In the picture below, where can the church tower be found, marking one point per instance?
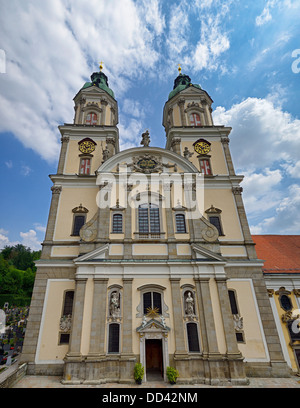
(148, 255)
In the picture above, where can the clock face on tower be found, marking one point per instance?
(202, 147)
(86, 146)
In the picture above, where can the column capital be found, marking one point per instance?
(56, 189)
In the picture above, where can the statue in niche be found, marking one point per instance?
(105, 154)
(187, 154)
(238, 322)
(114, 305)
(189, 305)
(145, 139)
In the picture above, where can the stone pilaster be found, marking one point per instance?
(127, 225)
(46, 251)
(175, 145)
(63, 153)
(74, 371)
(98, 325)
(127, 358)
(104, 104)
(234, 357)
(182, 113)
(180, 346)
(249, 244)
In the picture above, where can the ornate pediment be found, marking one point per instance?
(153, 325)
(147, 163)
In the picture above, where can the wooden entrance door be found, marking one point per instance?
(154, 357)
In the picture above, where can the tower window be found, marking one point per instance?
(193, 339)
(180, 223)
(195, 119)
(114, 338)
(79, 221)
(205, 166)
(233, 303)
(85, 166)
(68, 303)
(215, 220)
(152, 300)
(149, 219)
(117, 226)
(91, 119)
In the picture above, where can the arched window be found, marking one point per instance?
(193, 338)
(114, 338)
(117, 224)
(68, 303)
(91, 118)
(195, 119)
(180, 223)
(152, 300)
(233, 302)
(149, 221)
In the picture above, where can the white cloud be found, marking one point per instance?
(265, 148)
(264, 17)
(286, 219)
(9, 164)
(25, 170)
(48, 63)
(262, 134)
(29, 239)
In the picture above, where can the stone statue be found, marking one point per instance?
(189, 305)
(187, 154)
(105, 154)
(238, 322)
(114, 305)
(145, 139)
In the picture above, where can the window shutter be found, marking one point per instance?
(78, 223)
(68, 304)
(154, 219)
(147, 301)
(117, 223)
(157, 301)
(233, 304)
(193, 339)
(114, 338)
(180, 223)
(216, 222)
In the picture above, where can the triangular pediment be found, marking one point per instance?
(95, 255)
(152, 325)
(206, 255)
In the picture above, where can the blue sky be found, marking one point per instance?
(245, 54)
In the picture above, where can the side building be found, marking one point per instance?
(148, 254)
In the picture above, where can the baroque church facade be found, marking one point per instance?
(148, 255)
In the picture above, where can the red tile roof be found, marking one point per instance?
(281, 253)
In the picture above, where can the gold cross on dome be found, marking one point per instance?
(101, 65)
(179, 68)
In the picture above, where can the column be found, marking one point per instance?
(46, 252)
(208, 329)
(127, 359)
(77, 320)
(182, 114)
(127, 224)
(104, 103)
(231, 343)
(63, 152)
(98, 326)
(127, 316)
(225, 143)
(237, 192)
(180, 347)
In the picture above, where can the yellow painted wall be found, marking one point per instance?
(70, 198)
(49, 349)
(254, 346)
(280, 312)
(224, 200)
